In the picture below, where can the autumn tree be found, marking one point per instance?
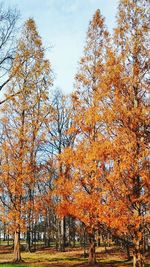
(81, 182)
(127, 76)
(23, 118)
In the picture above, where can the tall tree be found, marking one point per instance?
(129, 120)
(24, 116)
(81, 183)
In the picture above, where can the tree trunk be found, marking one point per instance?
(84, 243)
(98, 238)
(138, 260)
(28, 240)
(128, 251)
(92, 254)
(4, 232)
(62, 235)
(8, 239)
(17, 252)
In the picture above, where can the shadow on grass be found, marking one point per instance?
(115, 262)
(70, 262)
(67, 259)
(14, 265)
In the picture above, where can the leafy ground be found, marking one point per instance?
(73, 258)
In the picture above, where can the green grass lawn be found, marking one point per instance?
(109, 263)
(15, 265)
(73, 258)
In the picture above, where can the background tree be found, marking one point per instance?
(58, 138)
(8, 24)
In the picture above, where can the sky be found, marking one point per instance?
(63, 24)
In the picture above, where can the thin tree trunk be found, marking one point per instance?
(128, 251)
(98, 238)
(92, 254)
(138, 260)
(8, 239)
(28, 240)
(84, 242)
(4, 232)
(62, 235)
(17, 252)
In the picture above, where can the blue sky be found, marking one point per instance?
(62, 25)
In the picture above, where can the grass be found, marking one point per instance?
(14, 265)
(73, 258)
